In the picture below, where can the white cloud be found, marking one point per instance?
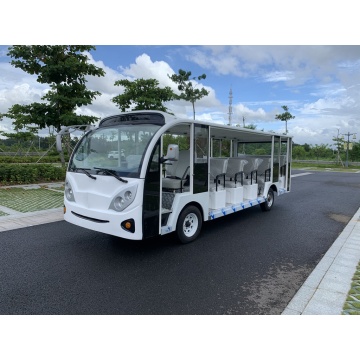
(327, 75)
(17, 87)
(145, 68)
(304, 62)
(222, 65)
(278, 76)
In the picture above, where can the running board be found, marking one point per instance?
(166, 229)
(231, 208)
(216, 213)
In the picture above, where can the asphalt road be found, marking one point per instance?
(246, 263)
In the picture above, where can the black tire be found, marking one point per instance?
(269, 202)
(189, 224)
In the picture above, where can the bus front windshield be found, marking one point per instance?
(118, 149)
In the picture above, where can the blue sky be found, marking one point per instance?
(320, 84)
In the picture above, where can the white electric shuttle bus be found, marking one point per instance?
(146, 173)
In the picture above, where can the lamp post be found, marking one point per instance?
(347, 147)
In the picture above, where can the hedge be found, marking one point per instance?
(14, 174)
(31, 159)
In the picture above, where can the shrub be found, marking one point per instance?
(13, 174)
(31, 159)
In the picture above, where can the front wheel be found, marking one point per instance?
(269, 202)
(189, 224)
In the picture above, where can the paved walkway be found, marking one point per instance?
(15, 219)
(323, 293)
(326, 289)
(20, 220)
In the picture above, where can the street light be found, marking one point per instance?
(347, 147)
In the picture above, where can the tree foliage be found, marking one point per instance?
(143, 94)
(64, 68)
(188, 91)
(298, 152)
(320, 151)
(285, 116)
(354, 154)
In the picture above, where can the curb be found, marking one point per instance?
(326, 289)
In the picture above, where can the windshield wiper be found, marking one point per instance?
(85, 171)
(111, 172)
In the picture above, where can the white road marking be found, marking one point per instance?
(301, 174)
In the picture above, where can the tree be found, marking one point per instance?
(250, 126)
(298, 152)
(286, 116)
(338, 142)
(321, 150)
(355, 152)
(143, 94)
(64, 68)
(20, 139)
(185, 86)
(307, 147)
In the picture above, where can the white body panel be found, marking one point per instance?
(250, 191)
(93, 199)
(235, 195)
(180, 202)
(217, 199)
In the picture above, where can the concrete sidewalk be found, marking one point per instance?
(326, 289)
(20, 207)
(18, 221)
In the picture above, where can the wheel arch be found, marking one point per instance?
(196, 204)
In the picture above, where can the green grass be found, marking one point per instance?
(24, 201)
(323, 167)
(352, 302)
(2, 213)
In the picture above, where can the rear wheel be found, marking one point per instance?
(269, 202)
(189, 224)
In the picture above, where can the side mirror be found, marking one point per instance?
(164, 159)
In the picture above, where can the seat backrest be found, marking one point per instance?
(218, 166)
(171, 165)
(234, 166)
(178, 168)
(265, 165)
(252, 165)
(183, 163)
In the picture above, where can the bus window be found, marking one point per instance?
(220, 147)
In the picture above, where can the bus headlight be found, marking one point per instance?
(123, 199)
(119, 203)
(69, 194)
(128, 195)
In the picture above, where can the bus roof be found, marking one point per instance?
(216, 130)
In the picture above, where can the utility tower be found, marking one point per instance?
(230, 106)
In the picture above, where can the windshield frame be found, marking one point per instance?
(139, 136)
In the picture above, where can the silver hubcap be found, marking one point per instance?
(269, 200)
(190, 224)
